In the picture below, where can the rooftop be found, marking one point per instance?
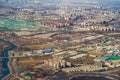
(113, 57)
(83, 51)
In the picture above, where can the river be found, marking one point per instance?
(4, 62)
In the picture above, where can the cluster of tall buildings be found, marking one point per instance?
(57, 63)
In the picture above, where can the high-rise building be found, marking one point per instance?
(35, 1)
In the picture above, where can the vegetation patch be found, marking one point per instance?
(12, 24)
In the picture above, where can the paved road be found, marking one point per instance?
(110, 76)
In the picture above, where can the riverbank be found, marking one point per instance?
(10, 67)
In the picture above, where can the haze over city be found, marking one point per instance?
(59, 40)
